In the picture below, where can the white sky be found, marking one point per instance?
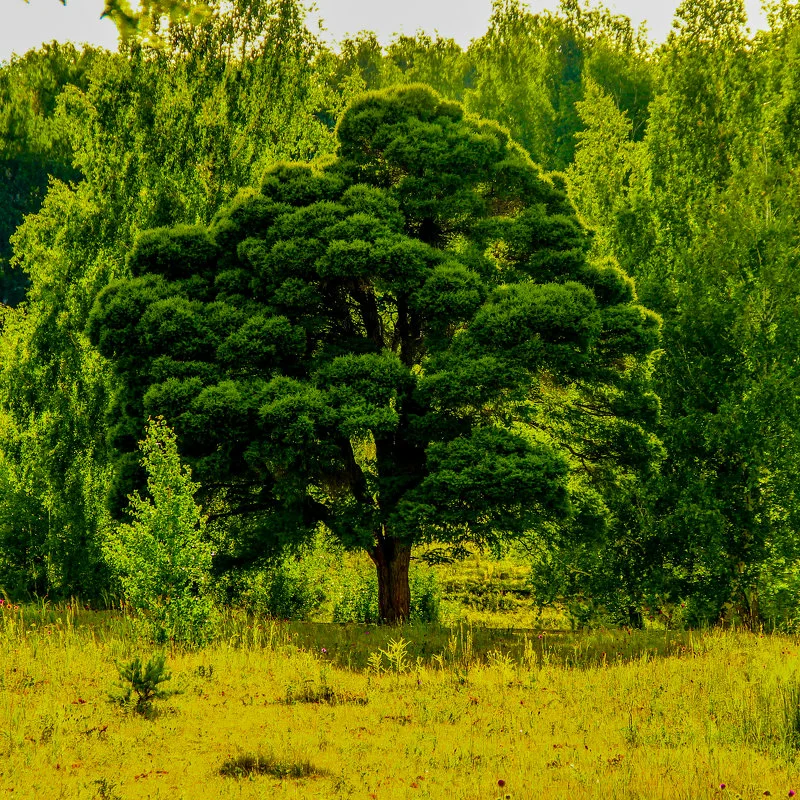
(26, 25)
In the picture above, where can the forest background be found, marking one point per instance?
(681, 159)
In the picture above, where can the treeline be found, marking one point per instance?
(681, 159)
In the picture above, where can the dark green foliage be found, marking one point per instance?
(248, 764)
(34, 143)
(141, 684)
(289, 598)
(288, 588)
(401, 344)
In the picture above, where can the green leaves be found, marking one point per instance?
(450, 294)
(530, 69)
(132, 23)
(396, 343)
(485, 486)
(172, 252)
(697, 210)
(422, 147)
(363, 391)
(262, 344)
(548, 326)
(161, 558)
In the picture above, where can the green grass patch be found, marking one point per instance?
(309, 692)
(248, 764)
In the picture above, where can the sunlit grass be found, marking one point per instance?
(424, 711)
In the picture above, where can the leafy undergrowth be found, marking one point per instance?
(464, 714)
(493, 592)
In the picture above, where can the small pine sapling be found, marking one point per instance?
(140, 684)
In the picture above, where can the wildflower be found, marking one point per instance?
(722, 786)
(792, 792)
(324, 650)
(541, 636)
(501, 782)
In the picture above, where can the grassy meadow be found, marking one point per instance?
(551, 299)
(301, 710)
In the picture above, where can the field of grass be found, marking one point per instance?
(339, 711)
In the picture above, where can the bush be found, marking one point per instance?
(162, 558)
(287, 589)
(779, 595)
(426, 595)
(248, 764)
(356, 595)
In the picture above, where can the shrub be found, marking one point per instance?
(356, 596)
(143, 681)
(248, 764)
(162, 557)
(286, 589)
(426, 595)
(779, 595)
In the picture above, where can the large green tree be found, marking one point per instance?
(703, 212)
(406, 344)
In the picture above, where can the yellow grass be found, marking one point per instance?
(722, 708)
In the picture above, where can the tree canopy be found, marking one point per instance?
(140, 17)
(406, 343)
(681, 161)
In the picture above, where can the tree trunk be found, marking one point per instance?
(392, 559)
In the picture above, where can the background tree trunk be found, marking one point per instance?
(392, 559)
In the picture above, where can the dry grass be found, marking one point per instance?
(721, 708)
